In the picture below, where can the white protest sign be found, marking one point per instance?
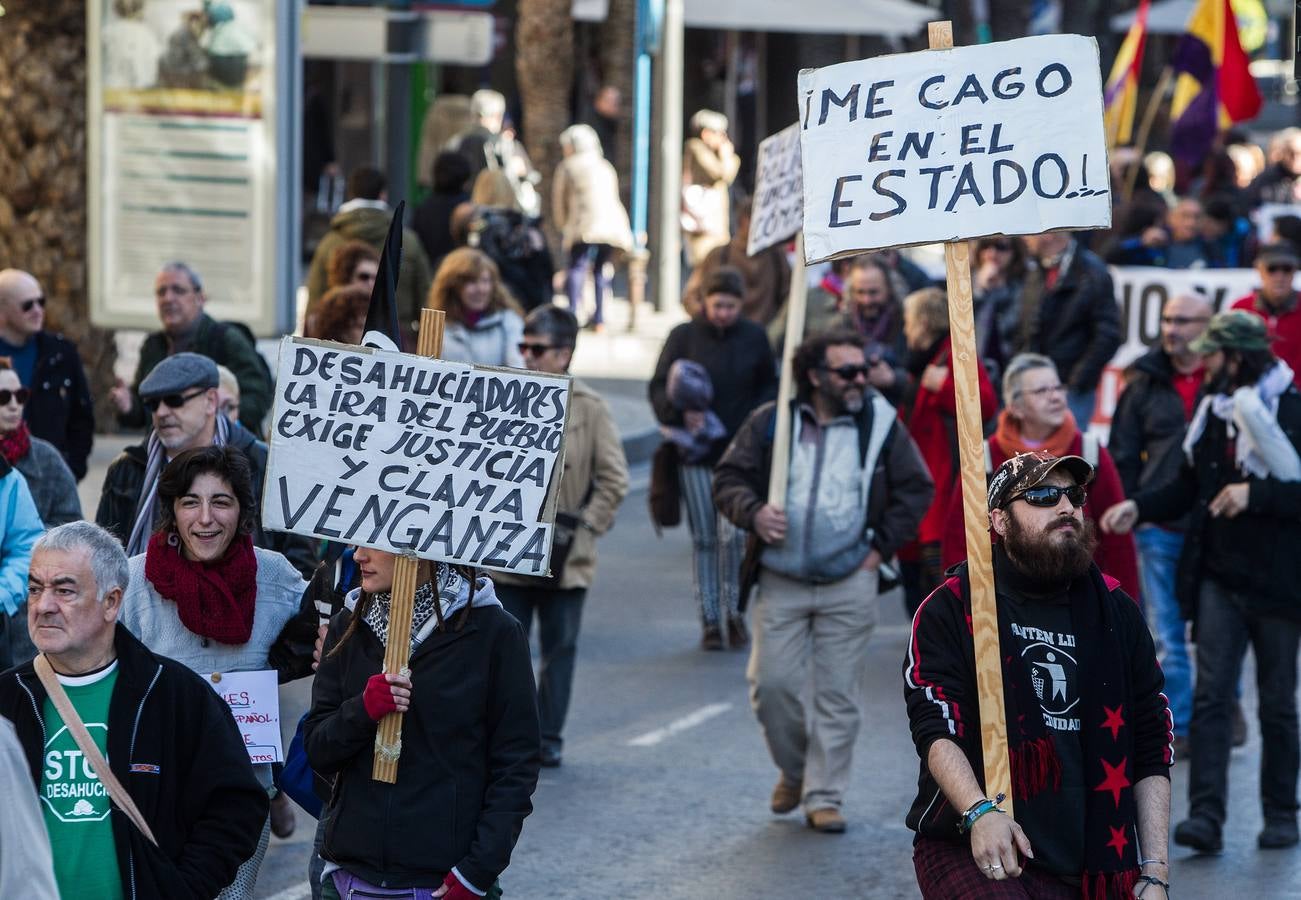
(1268, 214)
(439, 459)
(778, 210)
(942, 145)
(254, 701)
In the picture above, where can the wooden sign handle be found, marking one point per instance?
(397, 650)
(796, 303)
(975, 499)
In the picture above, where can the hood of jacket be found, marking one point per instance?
(364, 223)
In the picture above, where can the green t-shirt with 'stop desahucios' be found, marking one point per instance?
(75, 804)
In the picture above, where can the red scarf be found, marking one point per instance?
(1011, 441)
(15, 445)
(214, 600)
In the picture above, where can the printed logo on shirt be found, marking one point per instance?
(69, 786)
(1053, 673)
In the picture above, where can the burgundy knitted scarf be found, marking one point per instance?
(214, 600)
(15, 445)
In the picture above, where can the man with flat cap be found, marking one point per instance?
(1088, 728)
(1240, 485)
(180, 394)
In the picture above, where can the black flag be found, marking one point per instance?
(382, 330)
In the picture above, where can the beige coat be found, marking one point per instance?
(585, 202)
(593, 456)
(702, 166)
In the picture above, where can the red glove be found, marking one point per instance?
(378, 697)
(456, 890)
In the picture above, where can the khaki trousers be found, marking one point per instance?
(811, 638)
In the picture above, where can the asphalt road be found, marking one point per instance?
(664, 790)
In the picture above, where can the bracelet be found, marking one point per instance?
(978, 809)
(1152, 862)
(1152, 879)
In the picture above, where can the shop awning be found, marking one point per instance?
(889, 18)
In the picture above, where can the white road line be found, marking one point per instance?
(297, 892)
(691, 720)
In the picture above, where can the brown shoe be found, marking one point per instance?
(827, 821)
(282, 816)
(737, 635)
(786, 795)
(711, 638)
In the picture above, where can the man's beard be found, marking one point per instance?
(1045, 557)
(841, 401)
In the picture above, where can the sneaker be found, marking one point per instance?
(1239, 726)
(1277, 835)
(827, 821)
(712, 638)
(786, 795)
(737, 635)
(283, 819)
(1200, 833)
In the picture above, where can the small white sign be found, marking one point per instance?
(778, 211)
(1268, 214)
(943, 145)
(254, 701)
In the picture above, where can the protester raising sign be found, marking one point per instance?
(1002, 138)
(442, 460)
(778, 211)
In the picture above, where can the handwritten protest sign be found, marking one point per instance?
(1003, 138)
(406, 454)
(254, 701)
(778, 210)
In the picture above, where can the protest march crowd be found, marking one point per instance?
(1144, 497)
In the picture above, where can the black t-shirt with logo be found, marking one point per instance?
(1043, 638)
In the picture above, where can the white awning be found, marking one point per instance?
(889, 18)
(1163, 17)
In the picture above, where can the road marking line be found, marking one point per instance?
(297, 892)
(691, 720)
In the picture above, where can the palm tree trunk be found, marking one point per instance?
(544, 68)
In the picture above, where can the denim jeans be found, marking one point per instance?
(1081, 404)
(560, 614)
(581, 258)
(1158, 553)
(1225, 626)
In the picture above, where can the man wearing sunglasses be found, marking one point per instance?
(180, 396)
(1276, 301)
(60, 409)
(858, 488)
(1088, 729)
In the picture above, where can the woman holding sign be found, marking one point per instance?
(203, 595)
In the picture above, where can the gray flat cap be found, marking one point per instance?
(179, 373)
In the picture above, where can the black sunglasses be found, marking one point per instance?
(847, 372)
(173, 401)
(526, 348)
(1272, 268)
(22, 395)
(35, 301)
(1050, 495)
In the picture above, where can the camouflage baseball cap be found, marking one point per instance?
(1236, 329)
(1026, 470)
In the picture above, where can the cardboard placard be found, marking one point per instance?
(944, 145)
(778, 210)
(436, 459)
(254, 701)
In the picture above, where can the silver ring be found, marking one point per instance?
(995, 866)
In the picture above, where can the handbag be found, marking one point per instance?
(121, 799)
(298, 779)
(563, 533)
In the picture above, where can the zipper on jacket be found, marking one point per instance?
(131, 755)
(36, 710)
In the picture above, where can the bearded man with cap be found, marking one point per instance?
(180, 394)
(1088, 727)
(1240, 484)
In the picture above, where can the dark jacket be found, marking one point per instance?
(60, 409)
(1148, 426)
(1076, 324)
(469, 764)
(740, 366)
(175, 748)
(1254, 553)
(432, 223)
(1274, 185)
(900, 493)
(124, 481)
(224, 344)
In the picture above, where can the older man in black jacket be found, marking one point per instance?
(172, 742)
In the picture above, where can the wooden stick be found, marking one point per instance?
(397, 651)
(1145, 129)
(980, 568)
(781, 443)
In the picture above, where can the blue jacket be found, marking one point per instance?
(21, 527)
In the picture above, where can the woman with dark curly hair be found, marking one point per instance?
(355, 262)
(484, 323)
(340, 316)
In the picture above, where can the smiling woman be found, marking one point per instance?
(202, 594)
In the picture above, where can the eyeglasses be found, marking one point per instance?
(172, 401)
(27, 305)
(527, 348)
(22, 395)
(847, 372)
(1053, 389)
(1048, 496)
(1280, 268)
(1181, 321)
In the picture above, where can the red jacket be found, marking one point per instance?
(1286, 328)
(1115, 555)
(932, 426)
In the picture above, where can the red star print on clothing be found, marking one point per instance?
(1114, 721)
(1115, 780)
(1118, 840)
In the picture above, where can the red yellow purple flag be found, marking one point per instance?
(1120, 95)
(1215, 87)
